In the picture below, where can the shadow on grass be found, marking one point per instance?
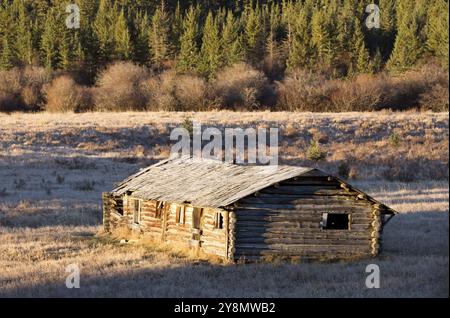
(414, 263)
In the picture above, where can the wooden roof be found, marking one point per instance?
(211, 183)
(203, 182)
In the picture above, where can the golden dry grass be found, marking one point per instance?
(48, 221)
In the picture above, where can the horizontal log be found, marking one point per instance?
(214, 233)
(308, 241)
(309, 200)
(310, 235)
(306, 212)
(290, 224)
(308, 191)
(319, 208)
(293, 221)
(255, 249)
(311, 181)
(300, 231)
(214, 247)
(311, 186)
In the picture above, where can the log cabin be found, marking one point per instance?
(248, 213)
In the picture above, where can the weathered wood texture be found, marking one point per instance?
(284, 220)
(112, 211)
(281, 219)
(167, 226)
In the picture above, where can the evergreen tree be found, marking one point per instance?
(437, 30)
(300, 48)
(188, 57)
(272, 45)
(288, 17)
(104, 30)
(269, 34)
(322, 39)
(211, 50)
(254, 42)
(176, 29)
(407, 48)
(49, 41)
(78, 56)
(23, 40)
(377, 63)
(64, 52)
(141, 42)
(6, 58)
(346, 27)
(159, 36)
(361, 57)
(232, 49)
(87, 57)
(122, 42)
(388, 26)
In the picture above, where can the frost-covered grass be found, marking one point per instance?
(53, 169)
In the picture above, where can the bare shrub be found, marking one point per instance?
(10, 90)
(119, 87)
(362, 93)
(21, 89)
(64, 95)
(31, 95)
(303, 90)
(414, 88)
(436, 98)
(190, 93)
(160, 91)
(170, 91)
(240, 86)
(425, 87)
(34, 78)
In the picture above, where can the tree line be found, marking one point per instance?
(202, 37)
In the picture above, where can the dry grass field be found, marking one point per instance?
(53, 168)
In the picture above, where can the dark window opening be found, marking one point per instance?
(196, 217)
(159, 209)
(180, 214)
(136, 210)
(119, 205)
(335, 221)
(218, 221)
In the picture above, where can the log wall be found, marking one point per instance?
(166, 227)
(285, 221)
(113, 209)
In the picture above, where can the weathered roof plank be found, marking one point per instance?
(210, 183)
